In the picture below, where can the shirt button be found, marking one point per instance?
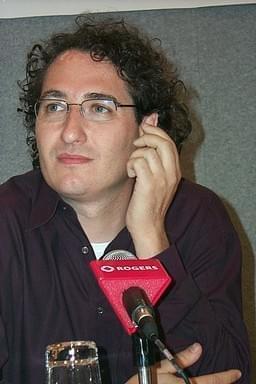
(100, 310)
(85, 250)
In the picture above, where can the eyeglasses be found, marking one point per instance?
(53, 110)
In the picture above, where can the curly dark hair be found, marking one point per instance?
(151, 80)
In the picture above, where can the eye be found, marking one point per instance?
(53, 106)
(101, 108)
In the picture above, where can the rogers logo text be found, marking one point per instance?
(108, 268)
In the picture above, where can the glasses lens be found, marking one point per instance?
(99, 110)
(51, 110)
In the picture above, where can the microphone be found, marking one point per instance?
(140, 311)
(115, 276)
(132, 287)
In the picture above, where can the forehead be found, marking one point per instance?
(76, 73)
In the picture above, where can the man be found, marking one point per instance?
(104, 127)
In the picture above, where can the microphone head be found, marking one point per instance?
(119, 254)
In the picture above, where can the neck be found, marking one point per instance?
(103, 219)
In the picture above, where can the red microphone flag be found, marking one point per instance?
(115, 276)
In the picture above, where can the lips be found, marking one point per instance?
(71, 159)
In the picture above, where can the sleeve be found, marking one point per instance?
(4, 272)
(10, 295)
(204, 303)
(3, 351)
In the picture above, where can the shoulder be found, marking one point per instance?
(16, 194)
(196, 196)
(199, 207)
(195, 191)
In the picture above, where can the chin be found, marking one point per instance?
(69, 186)
(72, 189)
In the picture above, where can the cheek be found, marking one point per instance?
(117, 139)
(124, 147)
(127, 136)
(40, 135)
(39, 141)
(44, 137)
(44, 142)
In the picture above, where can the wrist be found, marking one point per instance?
(150, 243)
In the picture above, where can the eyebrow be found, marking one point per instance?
(90, 95)
(53, 93)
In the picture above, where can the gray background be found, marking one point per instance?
(214, 49)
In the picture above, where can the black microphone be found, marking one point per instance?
(140, 310)
(115, 279)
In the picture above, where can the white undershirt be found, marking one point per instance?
(99, 249)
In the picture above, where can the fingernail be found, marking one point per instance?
(194, 347)
(239, 374)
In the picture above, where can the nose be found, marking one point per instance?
(74, 127)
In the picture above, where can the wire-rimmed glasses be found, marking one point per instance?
(56, 110)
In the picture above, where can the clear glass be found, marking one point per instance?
(72, 362)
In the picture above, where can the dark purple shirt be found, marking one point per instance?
(49, 294)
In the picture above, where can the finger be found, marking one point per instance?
(156, 138)
(166, 151)
(139, 168)
(185, 358)
(151, 119)
(189, 355)
(167, 378)
(152, 136)
(152, 157)
(226, 377)
(153, 129)
(133, 380)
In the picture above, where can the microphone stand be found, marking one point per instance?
(143, 357)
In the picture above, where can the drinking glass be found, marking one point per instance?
(72, 362)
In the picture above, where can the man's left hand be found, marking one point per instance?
(155, 165)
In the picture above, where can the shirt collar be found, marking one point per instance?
(44, 202)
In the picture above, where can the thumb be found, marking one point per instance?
(184, 358)
(189, 355)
